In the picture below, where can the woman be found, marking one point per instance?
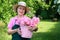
(17, 27)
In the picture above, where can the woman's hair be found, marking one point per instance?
(17, 12)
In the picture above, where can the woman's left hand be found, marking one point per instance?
(30, 28)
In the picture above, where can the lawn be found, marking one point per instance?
(47, 30)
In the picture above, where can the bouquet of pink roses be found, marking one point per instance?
(34, 21)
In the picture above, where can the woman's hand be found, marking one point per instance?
(10, 31)
(19, 31)
(30, 28)
(35, 28)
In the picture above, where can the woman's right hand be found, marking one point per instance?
(10, 31)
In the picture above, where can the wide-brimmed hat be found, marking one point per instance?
(20, 4)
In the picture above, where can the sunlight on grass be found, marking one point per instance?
(46, 26)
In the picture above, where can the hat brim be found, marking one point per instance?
(15, 8)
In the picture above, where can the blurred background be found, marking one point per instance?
(49, 14)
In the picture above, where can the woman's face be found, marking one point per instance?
(21, 10)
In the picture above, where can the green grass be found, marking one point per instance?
(47, 31)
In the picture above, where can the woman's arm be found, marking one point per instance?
(10, 25)
(35, 28)
(10, 31)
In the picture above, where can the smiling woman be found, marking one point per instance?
(17, 25)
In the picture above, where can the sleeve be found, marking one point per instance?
(11, 23)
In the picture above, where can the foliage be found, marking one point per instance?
(36, 6)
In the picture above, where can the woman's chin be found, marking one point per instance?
(21, 14)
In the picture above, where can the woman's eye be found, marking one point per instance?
(22, 8)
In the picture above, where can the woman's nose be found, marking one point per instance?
(21, 10)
